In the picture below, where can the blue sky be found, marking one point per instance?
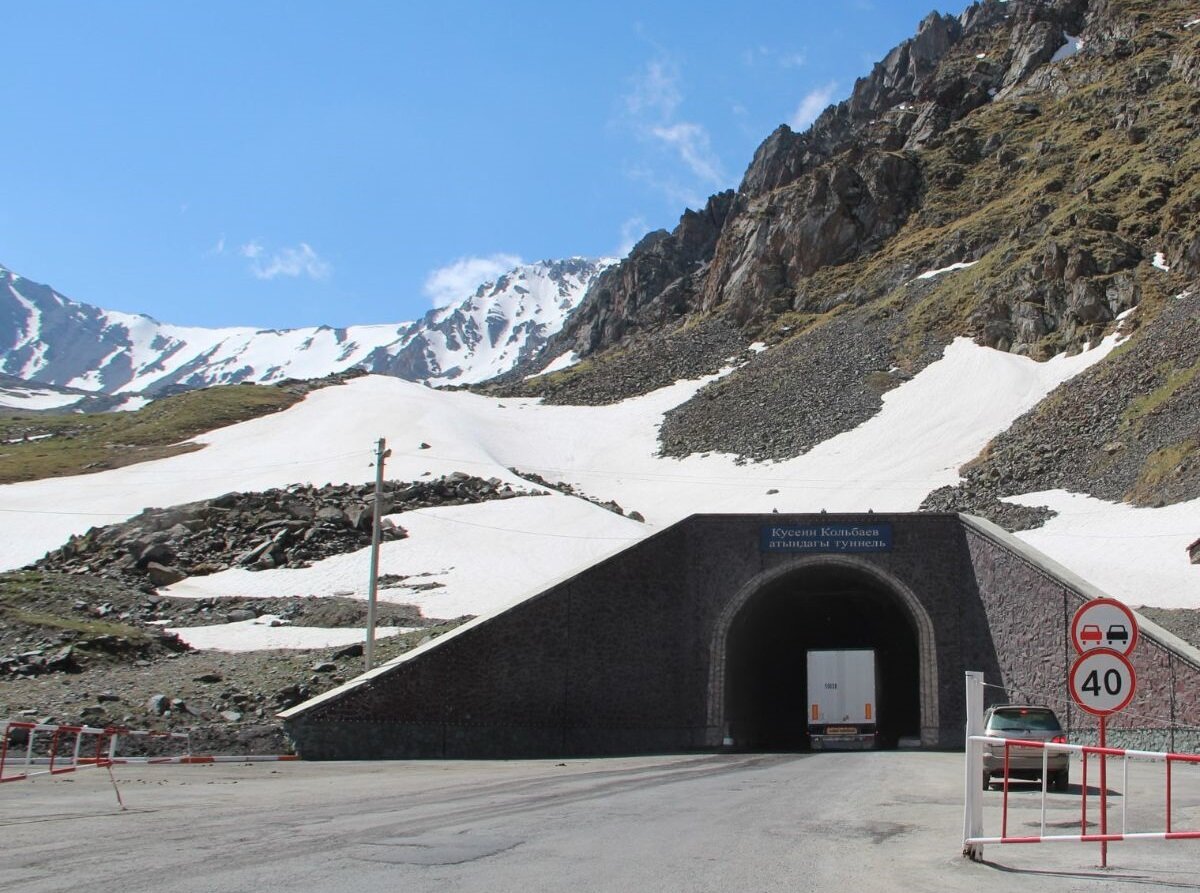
(282, 164)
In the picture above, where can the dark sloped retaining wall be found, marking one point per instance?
(1030, 601)
(625, 657)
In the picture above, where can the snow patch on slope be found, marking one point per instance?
(33, 398)
(961, 265)
(563, 361)
(1138, 555)
(491, 555)
(1072, 46)
(270, 632)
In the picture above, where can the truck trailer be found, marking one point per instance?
(841, 697)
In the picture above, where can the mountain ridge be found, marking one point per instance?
(49, 339)
(1022, 174)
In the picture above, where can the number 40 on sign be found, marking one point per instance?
(1102, 681)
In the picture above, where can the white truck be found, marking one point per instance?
(841, 697)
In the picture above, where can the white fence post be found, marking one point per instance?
(973, 771)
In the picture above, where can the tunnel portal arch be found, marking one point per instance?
(818, 601)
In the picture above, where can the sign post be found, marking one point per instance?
(1102, 680)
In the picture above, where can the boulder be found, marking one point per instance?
(161, 575)
(62, 660)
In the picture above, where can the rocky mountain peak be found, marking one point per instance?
(654, 286)
(49, 339)
(966, 101)
(1021, 174)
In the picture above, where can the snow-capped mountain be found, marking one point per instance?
(50, 339)
(504, 322)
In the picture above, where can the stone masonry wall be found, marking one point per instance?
(618, 658)
(1029, 612)
(626, 656)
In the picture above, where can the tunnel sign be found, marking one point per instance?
(1102, 681)
(1104, 623)
(826, 537)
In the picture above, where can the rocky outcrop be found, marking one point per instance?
(827, 217)
(835, 194)
(1073, 290)
(652, 288)
(292, 527)
(789, 399)
(1128, 429)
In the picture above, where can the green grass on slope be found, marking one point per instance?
(79, 444)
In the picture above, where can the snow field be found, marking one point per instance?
(22, 398)
(270, 632)
(490, 555)
(1135, 554)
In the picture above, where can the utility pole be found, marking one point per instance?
(381, 453)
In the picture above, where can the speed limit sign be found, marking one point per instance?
(1102, 681)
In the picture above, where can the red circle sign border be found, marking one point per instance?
(1107, 652)
(1121, 606)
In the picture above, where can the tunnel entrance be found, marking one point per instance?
(766, 689)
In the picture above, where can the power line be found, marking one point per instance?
(133, 469)
(73, 514)
(1059, 701)
(564, 536)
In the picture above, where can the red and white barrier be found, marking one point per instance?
(70, 748)
(973, 837)
(1085, 751)
(66, 747)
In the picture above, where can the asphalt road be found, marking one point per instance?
(794, 822)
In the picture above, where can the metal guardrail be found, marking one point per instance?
(1168, 833)
(65, 748)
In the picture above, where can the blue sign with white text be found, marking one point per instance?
(827, 538)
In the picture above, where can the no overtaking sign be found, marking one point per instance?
(1104, 623)
(1102, 680)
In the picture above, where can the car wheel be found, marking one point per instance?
(1060, 780)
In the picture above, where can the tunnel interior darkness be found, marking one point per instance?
(817, 608)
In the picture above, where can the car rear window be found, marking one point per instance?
(1021, 719)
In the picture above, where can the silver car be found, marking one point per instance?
(1026, 723)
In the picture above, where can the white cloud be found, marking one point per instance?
(458, 280)
(290, 262)
(813, 103)
(655, 91)
(783, 58)
(667, 183)
(652, 108)
(691, 142)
